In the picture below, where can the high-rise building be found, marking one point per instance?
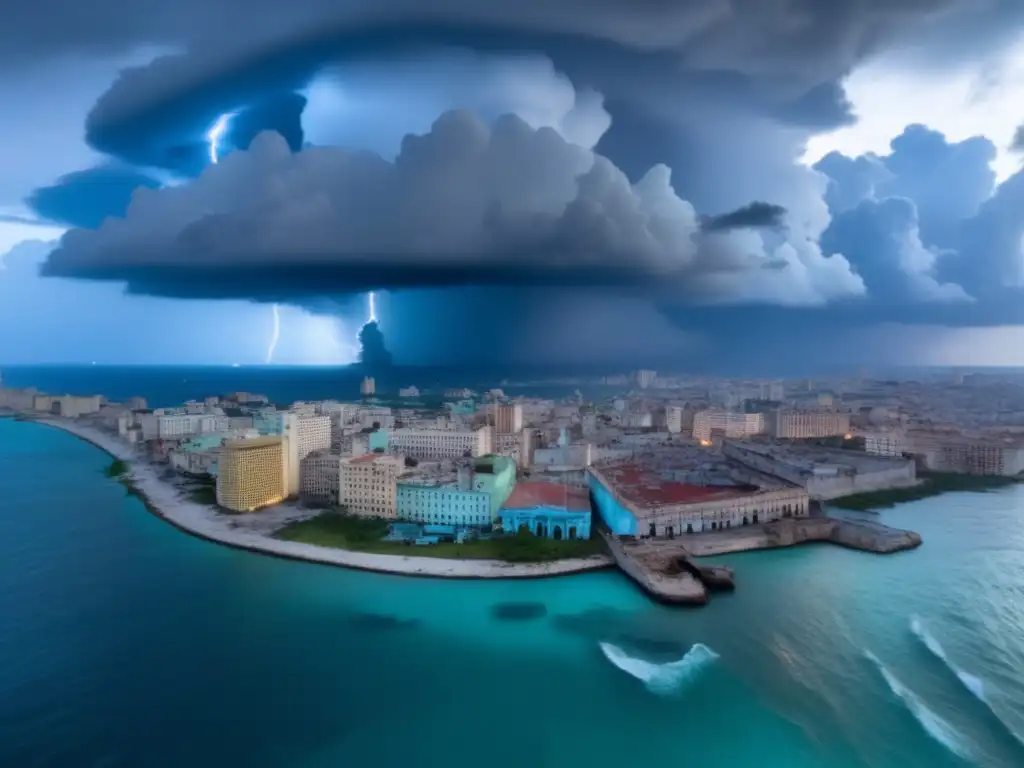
(306, 435)
(369, 387)
(367, 485)
(645, 379)
(320, 477)
(508, 418)
(252, 474)
(674, 419)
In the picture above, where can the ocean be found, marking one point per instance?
(125, 642)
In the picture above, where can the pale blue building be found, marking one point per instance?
(547, 510)
(442, 505)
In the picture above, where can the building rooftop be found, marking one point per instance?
(648, 487)
(529, 495)
(256, 442)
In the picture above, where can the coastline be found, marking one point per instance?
(205, 522)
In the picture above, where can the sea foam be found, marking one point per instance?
(937, 728)
(664, 678)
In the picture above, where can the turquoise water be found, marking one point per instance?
(124, 642)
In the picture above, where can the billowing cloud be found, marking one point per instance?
(86, 198)
(1017, 145)
(465, 204)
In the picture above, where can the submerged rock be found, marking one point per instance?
(519, 611)
(380, 621)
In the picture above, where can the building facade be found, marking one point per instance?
(892, 443)
(793, 424)
(436, 444)
(547, 510)
(305, 435)
(367, 485)
(443, 505)
(508, 418)
(730, 423)
(706, 509)
(320, 478)
(252, 474)
(368, 388)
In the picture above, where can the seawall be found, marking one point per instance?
(864, 536)
(206, 522)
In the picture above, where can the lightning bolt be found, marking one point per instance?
(216, 133)
(373, 310)
(275, 335)
(213, 136)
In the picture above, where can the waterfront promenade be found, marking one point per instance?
(253, 531)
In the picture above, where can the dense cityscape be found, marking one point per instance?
(710, 466)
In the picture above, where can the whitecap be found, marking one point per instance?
(937, 728)
(971, 682)
(663, 678)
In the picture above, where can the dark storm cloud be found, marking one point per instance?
(1017, 145)
(86, 198)
(465, 204)
(781, 60)
(281, 113)
(757, 215)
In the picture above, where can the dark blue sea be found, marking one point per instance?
(125, 642)
(172, 385)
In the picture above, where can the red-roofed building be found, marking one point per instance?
(548, 510)
(640, 500)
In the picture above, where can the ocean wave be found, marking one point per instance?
(661, 678)
(971, 682)
(937, 728)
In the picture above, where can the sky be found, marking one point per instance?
(734, 185)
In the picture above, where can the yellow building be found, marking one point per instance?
(252, 474)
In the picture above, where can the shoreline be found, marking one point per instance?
(205, 522)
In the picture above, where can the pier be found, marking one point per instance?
(666, 571)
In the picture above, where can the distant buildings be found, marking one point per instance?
(408, 392)
(368, 388)
(645, 379)
(252, 474)
(793, 424)
(729, 423)
(440, 443)
(508, 418)
(972, 456)
(891, 443)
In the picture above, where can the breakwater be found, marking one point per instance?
(863, 535)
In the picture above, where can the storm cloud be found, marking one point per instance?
(466, 204)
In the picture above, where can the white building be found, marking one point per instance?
(434, 444)
(730, 423)
(793, 424)
(367, 485)
(368, 387)
(409, 392)
(645, 379)
(674, 419)
(175, 426)
(889, 443)
(306, 434)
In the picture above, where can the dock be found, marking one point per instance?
(667, 574)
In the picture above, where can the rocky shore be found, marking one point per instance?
(254, 532)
